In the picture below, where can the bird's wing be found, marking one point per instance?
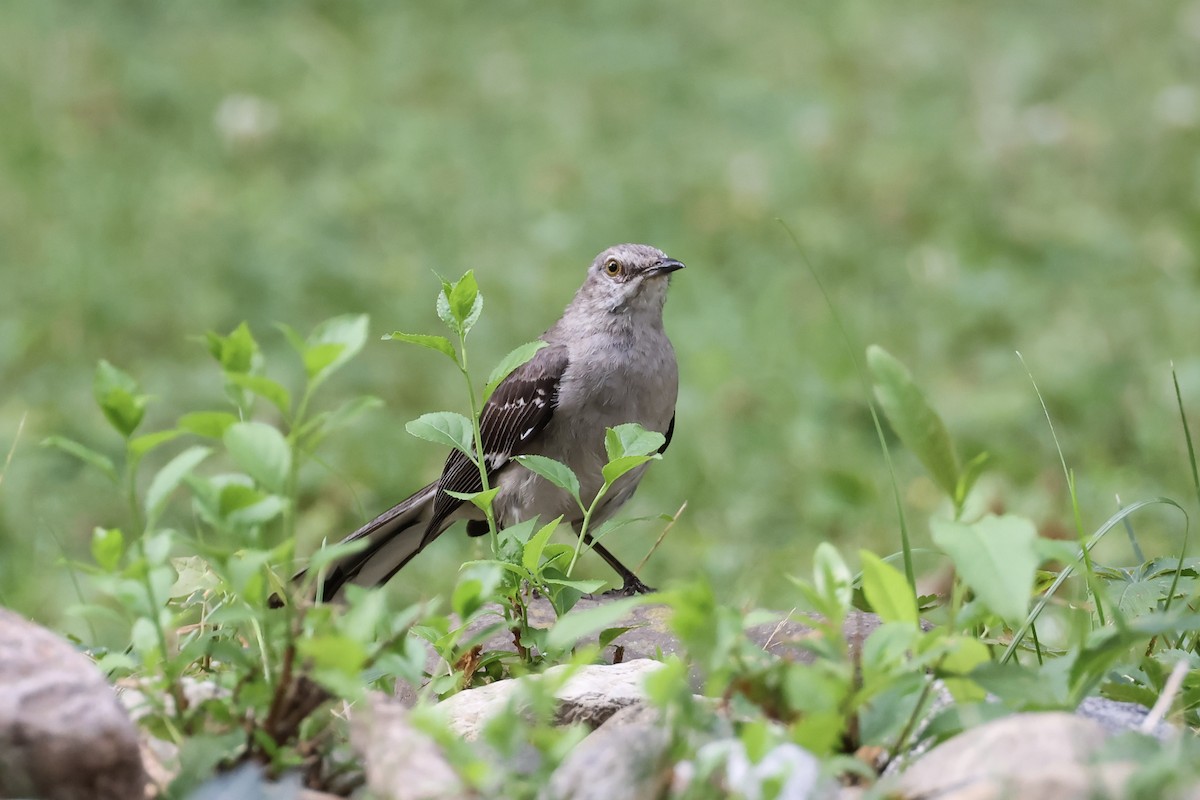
(513, 417)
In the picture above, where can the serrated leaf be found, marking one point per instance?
(108, 544)
(886, 589)
(439, 343)
(510, 362)
(619, 466)
(118, 396)
(447, 428)
(84, 453)
(532, 555)
(262, 451)
(995, 556)
(210, 424)
(481, 500)
(631, 439)
(167, 479)
(270, 390)
(913, 418)
(465, 301)
(554, 471)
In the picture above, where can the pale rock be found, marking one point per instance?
(591, 695)
(63, 735)
(401, 761)
(627, 757)
(1031, 756)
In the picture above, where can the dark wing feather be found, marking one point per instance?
(516, 413)
(667, 437)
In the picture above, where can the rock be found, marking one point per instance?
(591, 695)
(786, 772)
(63, 735)
(627, 757)
(1031, 756)
(1117, 717)
(401, 762)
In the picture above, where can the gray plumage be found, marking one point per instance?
(607, 362)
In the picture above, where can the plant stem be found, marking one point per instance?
(583, 528)
(480, 456)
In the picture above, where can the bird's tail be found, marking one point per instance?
(394, 537)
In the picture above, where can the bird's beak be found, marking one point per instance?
(666, 267)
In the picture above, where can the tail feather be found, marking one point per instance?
(395, 536)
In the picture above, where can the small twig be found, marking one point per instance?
(778, 628)
(661, 536)
(1163, 704)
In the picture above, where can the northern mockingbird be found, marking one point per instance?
(606, 362)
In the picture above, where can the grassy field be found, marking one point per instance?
(969, 180)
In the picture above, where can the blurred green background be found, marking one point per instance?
(968, 179)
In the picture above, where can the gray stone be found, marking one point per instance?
(627, 757)
(1035, 755)
(63, 735)
(591, 695)
(401, 761)
(1117, 717)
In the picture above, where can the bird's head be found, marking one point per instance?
(630, 278)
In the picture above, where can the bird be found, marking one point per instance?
(607, 361)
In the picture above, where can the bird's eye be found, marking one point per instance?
(612, 267)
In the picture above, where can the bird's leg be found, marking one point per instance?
(630, 584)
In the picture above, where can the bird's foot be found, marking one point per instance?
(631, 587)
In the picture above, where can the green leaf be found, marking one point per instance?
(210, 424)
(532, 555)
(996, 557)
(481, 500)
(108, 544)
(554, 471)
(270, 390)
(237, 352)
(85, 454)
(331, 344)
(619, 466)
(467, 598)
(965, 654)
(262, 451)
(886, 589)
(438, 343)
(313, 432)
(578, 624)
(913, 419)
(141, 445)
(168, 478)
(832, 579)
(118, 396)
(967, 478)
(465, 301)
(445, 427)
(510, 362)
(631, 439)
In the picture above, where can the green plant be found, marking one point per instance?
(227, 679)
